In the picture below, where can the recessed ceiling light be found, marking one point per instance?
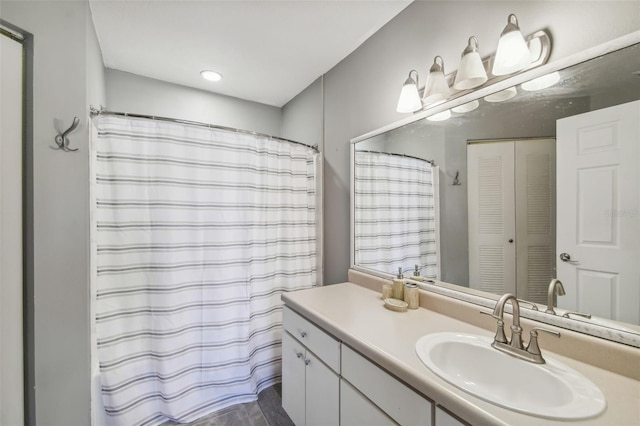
(211, 75)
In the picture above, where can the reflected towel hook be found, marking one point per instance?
(456, 181)
(61, 139)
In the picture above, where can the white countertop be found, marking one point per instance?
(356, 316)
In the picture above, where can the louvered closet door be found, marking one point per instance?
(491, 217)
(535, 195)
(512, 216)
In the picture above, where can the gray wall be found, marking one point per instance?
(64, 76)
(302, 116)
(361, 92)
(136, 94)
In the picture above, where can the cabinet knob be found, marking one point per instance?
(299, 354)
(307, 361)
(303, 334)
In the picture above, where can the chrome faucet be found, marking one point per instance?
(555, 287)
(515, 347)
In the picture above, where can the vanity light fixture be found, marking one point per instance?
(512, 54)
(441, 116)
(409, 100)
(436, 90)
(540, 83)
(471, 72)
(211, 75)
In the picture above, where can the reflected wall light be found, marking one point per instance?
(540, 83)
(512, 54)
(471, 72)
(409, 100)
(468, 107)
(501, 96)
(441, 116)
(436, 89)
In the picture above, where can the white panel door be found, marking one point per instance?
(293, 380)
(598, 219)
(322, 393)
(11, 360)
(492, 250)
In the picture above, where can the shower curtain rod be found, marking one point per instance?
(93, 111)
(433, 163)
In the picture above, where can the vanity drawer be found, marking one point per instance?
(401, 403)
(315, 339)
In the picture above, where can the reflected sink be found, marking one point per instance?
(551, 390)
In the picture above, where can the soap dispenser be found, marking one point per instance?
(416, 274)
(398, 286)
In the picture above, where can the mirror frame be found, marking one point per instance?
(478, 297)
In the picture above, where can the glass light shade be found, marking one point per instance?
(502, 96)
(409, 100)
(441, 116)
(512, 54)
(540, 83)
(436, 90)
(469, 106)
(471, 72)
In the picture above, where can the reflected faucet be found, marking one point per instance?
(515, 347)
(555, 287)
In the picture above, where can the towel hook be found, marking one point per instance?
(456, 180)
(61, 139)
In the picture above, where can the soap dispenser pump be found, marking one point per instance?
(416, 274)
(398, 286)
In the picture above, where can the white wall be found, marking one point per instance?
(361, 92)
(63, 76)
(142, 95)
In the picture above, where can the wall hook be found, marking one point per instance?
(61, 139)
(456, 180)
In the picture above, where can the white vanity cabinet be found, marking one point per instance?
(357, 410)
(398, 401)
(325, 382)
(310, 373)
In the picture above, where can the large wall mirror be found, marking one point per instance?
(504, 191)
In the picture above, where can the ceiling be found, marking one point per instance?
(268, 51)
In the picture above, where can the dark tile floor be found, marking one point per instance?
(266, 411)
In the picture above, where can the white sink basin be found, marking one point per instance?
(551, 390)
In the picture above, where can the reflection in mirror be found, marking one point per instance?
(535, 173)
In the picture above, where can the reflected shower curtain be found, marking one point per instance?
(396, 213)
(197, 232)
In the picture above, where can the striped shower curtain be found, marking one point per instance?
(396, 213)
(196, 234)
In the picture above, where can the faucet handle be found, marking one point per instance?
(500, 336)
(533, 348)
(534, 307)
(491, 315)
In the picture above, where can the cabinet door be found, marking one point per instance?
(445, 419)
(322, 393)
(356, 410)
(293, 380)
